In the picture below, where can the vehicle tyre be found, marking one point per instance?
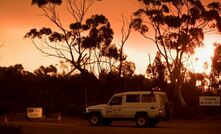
(141, 120)
(152, 123)
(94, 119)
(106, 122)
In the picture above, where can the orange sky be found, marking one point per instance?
(18, 17)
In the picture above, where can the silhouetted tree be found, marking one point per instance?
(137, 82)
(192, 91)
(44, 2)
(83, 44)
(128, 69)
(216, 61)
(125, 34)
(60, 93)
(12, 81)
(112, 54)
(110, 82)
(179, 27)
(50, 70)
(156, 72)
(216, 67)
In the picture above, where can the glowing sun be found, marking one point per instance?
(203, 56)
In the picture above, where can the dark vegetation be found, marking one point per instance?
(99, 68)
(61, 93)
(57, 93)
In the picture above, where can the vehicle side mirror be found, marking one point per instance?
(110, 104)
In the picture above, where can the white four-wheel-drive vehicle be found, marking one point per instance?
(146, 108)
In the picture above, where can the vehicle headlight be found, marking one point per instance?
(87, 109)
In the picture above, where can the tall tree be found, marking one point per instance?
(216, 60)
(156, 72)
(216, 67)
(84, 43)
(125, 34)
(178, 27)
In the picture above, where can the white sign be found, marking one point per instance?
(34, 112)
(209, 101)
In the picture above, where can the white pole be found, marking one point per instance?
(85, 98)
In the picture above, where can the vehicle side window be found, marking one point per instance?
(148, 98)
(133, 98)
(116, 100)
(31, 110)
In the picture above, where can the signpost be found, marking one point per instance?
(209, 101)
(34, 113)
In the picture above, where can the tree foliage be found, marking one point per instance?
(216, 68)
(85, 44)
(128, 68)
(216, 60)
(44, 2)
(157, 73)
(179, 27)
(59, 93)
(51, 70)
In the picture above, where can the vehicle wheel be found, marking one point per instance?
(152, 122)
(141, 120)
(106, 122)
(94, 119)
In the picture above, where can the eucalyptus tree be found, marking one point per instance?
(216, 60)
(177, 27)
(156, 72)
(216, 67)
(84, 44)
(126, 30)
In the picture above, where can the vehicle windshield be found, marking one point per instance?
(117, 100)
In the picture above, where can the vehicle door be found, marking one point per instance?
(114, 110)
(131, 106)
(150, 103)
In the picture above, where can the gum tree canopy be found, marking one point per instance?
(85, 44)
(216, 67)
(177, 27)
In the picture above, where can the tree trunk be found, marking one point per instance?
(178, 97)
(181, 99)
